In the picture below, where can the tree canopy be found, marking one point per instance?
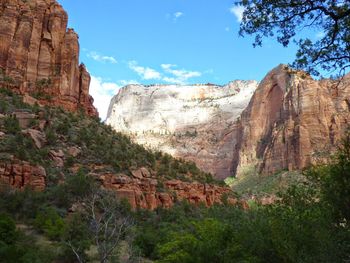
(286, 20)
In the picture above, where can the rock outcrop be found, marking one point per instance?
(197, 123)
(39, 56)
(20, 174)
(292, 121)
(144, 190)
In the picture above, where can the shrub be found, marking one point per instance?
(11, 125)
(50, 223)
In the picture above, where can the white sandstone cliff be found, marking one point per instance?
(195, 122)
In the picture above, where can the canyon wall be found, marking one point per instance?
(197, 122)
(40, 56)
(291, 121)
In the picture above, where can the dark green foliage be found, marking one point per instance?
(334, 182)
(22, 205)
(285, 19)
(11, 125)
(49, 222)
(8, 234)
(15, 247)
(77, 236)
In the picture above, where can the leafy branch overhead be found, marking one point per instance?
(285, 20)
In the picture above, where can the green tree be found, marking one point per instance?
(284, 19)
(334, 182)
(50, 222)
(76, 238)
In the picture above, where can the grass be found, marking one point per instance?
(252, 183)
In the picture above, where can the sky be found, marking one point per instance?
(166, 41)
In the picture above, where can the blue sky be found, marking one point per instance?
(166, 41)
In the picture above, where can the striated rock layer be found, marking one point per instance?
(292, 121)
(19, 174)
(195, 122)
(39, 56)
(144, 190)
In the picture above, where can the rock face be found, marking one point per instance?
(292, 121)
(39, 56)
(196, 122)
(143, 190)
(19, 174)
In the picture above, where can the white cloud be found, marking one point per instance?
(169, 73)
(102, 92)
(128, 82)
(237, 10)
(174, 16)
(177, 15)
(179, 76)
(102, 58)
(144, 72)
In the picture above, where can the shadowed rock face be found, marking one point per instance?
(196, 122)
(39, 55)
(292, 121)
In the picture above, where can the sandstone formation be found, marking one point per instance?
(292, 121)
(40, 56)
(196, 122)
(19, 174)
(144, 190)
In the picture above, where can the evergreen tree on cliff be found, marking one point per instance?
(286, 20)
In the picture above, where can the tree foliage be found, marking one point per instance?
(285, 20)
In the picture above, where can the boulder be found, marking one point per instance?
(57, 157)
(74, 151)
(24, 117)
(38, 137)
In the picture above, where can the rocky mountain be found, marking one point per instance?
(287, 122)
(40, 56)
(43, 147)
(292, 121)
(196, 122)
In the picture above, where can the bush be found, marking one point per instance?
(11, 125)
(50, 223)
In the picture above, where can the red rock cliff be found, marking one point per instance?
(142, 190)
(38, 55)
(292, 121)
